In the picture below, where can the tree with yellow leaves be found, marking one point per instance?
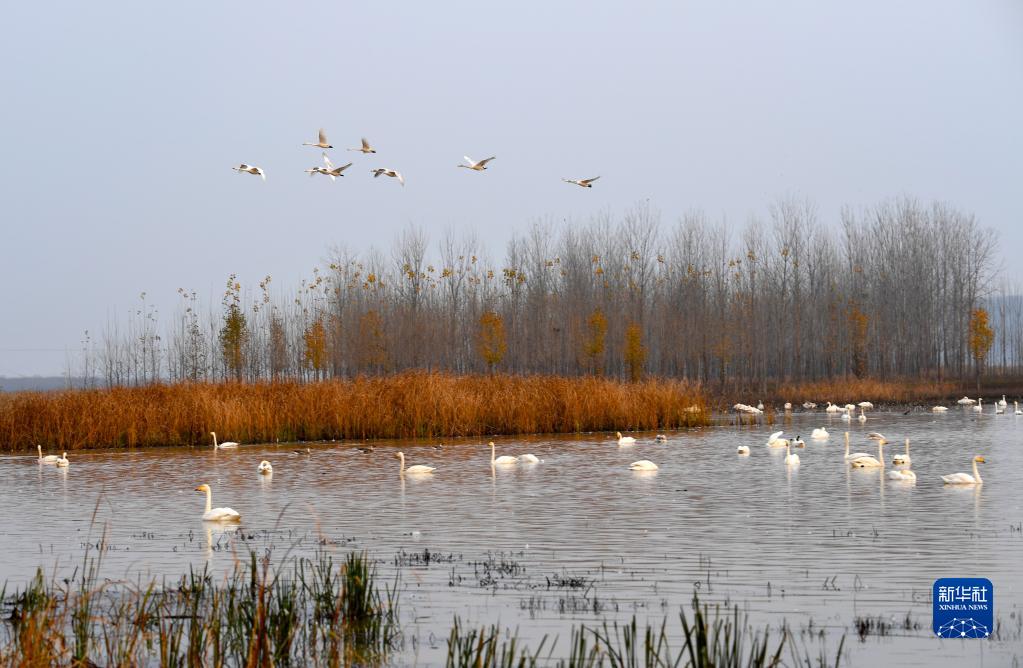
(635, 351)
(593, 349)
(492, 344)
(982, 337)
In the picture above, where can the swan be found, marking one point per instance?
(903, 459)
(979, 408)
(225, 444)
(966, 401)
(48, 459)
(787, 406)
(322, 143)
(790, 459)
(1015, 405)
(1002, 402)
(585, 183)
(760, 405)
(265, 468)
(939, 409)
(625, 440)
(62, 462)
(418, 468)
(833, 408)
(820, 433)
(477, 166)
(330, 170)
(217, 514)
(965, 478)
(850, 407)
(389, 172)
(847, 416)
(868, 461)
(855, 455)
(999, 410)
(530, 459)
(250, 169)
(903, 474)
(660, 438)
(776, 441)
(798, 442)
(365, 148)
(743, 450)
(809, 404)
(643, 465)
(862, 417)
(865, 404)
(503, 459)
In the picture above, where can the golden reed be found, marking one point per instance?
(405, 405)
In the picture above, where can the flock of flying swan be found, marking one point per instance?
(333, 172)
(901, 461)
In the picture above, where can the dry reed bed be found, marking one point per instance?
(849, 390)
(406, 405)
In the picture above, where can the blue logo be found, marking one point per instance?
(963, 608)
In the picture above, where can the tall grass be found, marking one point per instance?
(406, 405)
(845, 390)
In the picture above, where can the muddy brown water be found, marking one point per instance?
(578, 537)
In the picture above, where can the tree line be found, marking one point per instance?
(891, 290)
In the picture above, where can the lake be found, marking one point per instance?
(578, 537)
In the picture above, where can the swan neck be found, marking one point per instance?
(976, 472)
(492, 458)
(401, 456)
(214, 435)
(880, 452)
(209, 500)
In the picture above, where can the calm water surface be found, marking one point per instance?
(819, 545)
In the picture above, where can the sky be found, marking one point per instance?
(120, 122)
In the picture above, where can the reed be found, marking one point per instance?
(406, 405)
(845, 390)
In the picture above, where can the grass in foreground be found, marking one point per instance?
(406, 405)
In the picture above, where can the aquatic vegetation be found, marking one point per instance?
(407, 405)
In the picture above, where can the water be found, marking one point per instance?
(820, 545)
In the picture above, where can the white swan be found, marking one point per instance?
(833, 408)
(1002, 402)
(418, 468)
(503, 459)
(965, 478)
(477, 166)
(250, 169)
(999, 410)
(939, 409)
(48, 459)
(322, 143)
(742, 450)
(863, 416)
(869, 462)
(330, 170)
(63, 462)
(1016, 406)
(855, 455)
(798, 442)
(787, 406)
(625, 440)
(660, 438)
(217, 514)
(790, 459)
(265, 468)
(979, 408)
(760, 405)
(389, 172)
(820, 433)
(776, 441)
(585, 183)
(530, 459)
(966, 401)
(643, 465)
(865, 404)
(809, 404)
(365, 148)
(847, 416)
(902, 474)
(903, 459)
(225, 444)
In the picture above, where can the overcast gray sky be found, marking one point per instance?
(119, 122)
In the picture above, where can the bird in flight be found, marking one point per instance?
(365, 148)
(330, 170)
(389, 172)
(250, 169)
(585, 183)
(477, 166)
(320, 144)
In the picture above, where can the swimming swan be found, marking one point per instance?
(530, 459)
(64, 463)
(820, 433)
(743, 450)
(790, 459)
(776, 441)
(966, 401)
(855, 455)
(225, 444)
(965, 478)
(48, 459)
(833, 408)
(503, 459)
(217, 514)
(643, 465)
(939, 409)
(979, 408)
(625, 440)
(660, 438)
(265, 468)
(418, 468)
(900, 460)
(869, 462)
